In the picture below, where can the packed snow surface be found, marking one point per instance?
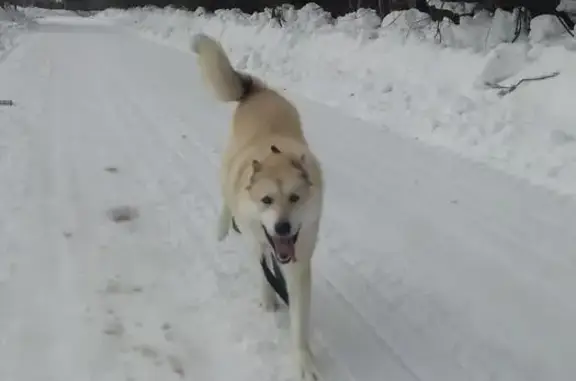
(406, 74)
(429, 267)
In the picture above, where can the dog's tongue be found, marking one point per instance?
(284, 247)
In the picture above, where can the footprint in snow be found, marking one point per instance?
(115, 286)
(114, 328)
(168, 332)
(123, 214)
(176, 366)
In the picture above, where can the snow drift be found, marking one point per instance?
(13, 23)
(37, 13)
(427, 81)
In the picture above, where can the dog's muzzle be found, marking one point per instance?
(284, 246)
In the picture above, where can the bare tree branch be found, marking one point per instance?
(505, 90)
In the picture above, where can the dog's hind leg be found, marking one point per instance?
(224, 221)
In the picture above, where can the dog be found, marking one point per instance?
(272, 186)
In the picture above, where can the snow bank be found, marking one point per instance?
(12, 24)
(411, 76)
(36, 13)
(567, 6)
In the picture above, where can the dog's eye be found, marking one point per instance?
(267, 200)
(294, 198)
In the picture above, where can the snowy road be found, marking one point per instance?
(429, 268)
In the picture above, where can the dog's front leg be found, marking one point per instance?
(267, 293)
(299, 282)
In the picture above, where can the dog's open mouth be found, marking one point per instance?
(284, 247)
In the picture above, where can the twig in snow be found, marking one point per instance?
(393, 21)
(438, 35)
(505, 90)
(487, 36)
(278, 15)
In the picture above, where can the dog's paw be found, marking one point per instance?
(308, 371)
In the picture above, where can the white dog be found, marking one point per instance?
(271, 184)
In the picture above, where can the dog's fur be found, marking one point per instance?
(268, 175)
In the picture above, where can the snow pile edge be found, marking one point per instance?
(13, 23)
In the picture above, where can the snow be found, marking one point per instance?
(397, 73)
(429, 267)
(545, 28)
(36, 13)
(567, 6)
(13, 24)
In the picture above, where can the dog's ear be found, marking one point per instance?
(299, 162)
(256, 166)
(275, 149)
(299, 165)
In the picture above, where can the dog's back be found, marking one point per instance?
(261, 111)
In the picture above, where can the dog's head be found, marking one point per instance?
(280, 192)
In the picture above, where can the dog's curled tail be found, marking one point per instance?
(228, 84)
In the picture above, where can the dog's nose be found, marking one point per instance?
(283, 228)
